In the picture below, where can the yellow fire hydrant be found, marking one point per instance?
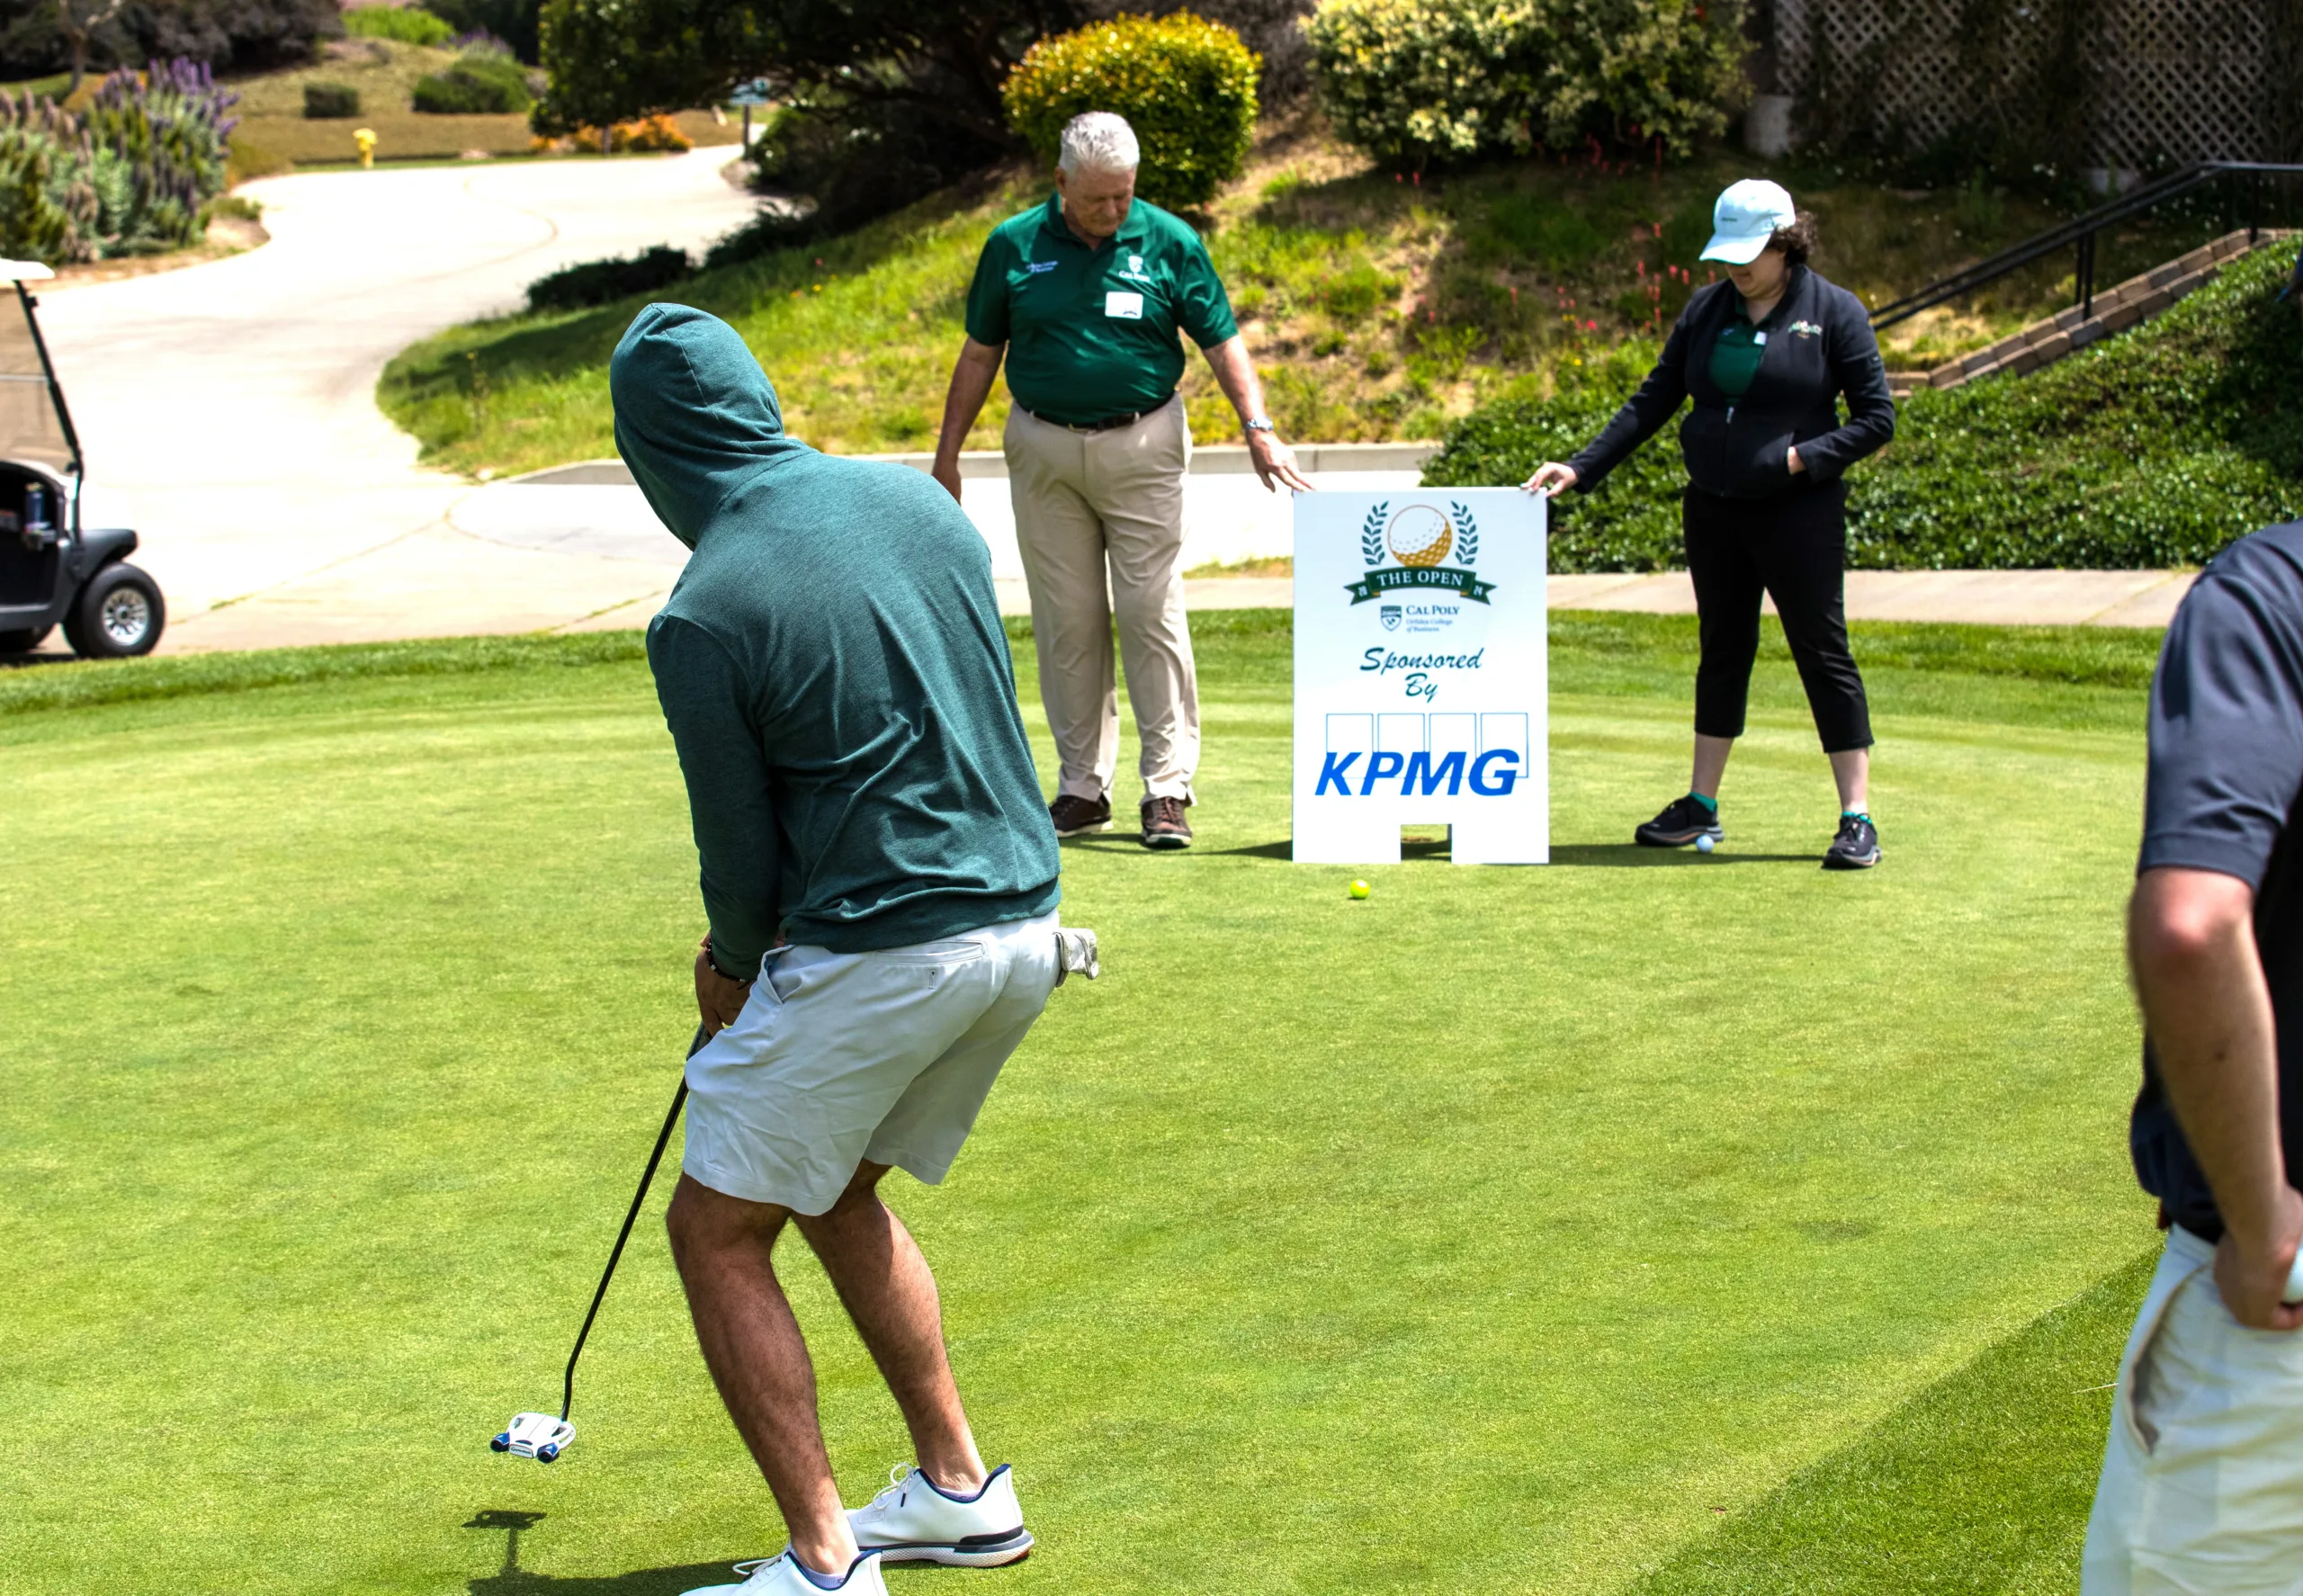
(365, 138)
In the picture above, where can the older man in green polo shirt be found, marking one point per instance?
(1084, 296)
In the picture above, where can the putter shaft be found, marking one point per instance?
(646, 1178)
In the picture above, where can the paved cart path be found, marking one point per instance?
(228, 410)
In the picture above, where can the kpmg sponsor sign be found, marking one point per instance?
(1420, 675)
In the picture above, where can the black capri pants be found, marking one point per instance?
(1794, 548)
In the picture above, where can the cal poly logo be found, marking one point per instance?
(1422, 539)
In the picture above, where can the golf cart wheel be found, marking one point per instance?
(119, 615)
(24, 642)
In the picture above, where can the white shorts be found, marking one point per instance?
(2202, 1484)
(837, 1058)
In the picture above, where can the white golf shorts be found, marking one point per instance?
(2202, 1486)
(837, 1058)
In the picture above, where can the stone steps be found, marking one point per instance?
(2116, 310)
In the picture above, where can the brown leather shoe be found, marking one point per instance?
(1075, 816)
(1164, 826)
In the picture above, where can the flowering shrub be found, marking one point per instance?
(646, 132)
(133, 174)
(1187, 85)
(1412, 82)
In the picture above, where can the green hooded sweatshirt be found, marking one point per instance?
(832, 668)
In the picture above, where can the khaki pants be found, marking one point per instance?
(2201, 1492)
(1085, 503)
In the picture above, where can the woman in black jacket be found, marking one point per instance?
(1766, 357)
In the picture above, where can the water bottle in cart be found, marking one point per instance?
(36, 508)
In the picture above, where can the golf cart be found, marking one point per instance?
(51, 571)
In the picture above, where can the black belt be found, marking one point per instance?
(1107, 423)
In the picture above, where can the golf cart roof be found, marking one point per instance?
(35, 425)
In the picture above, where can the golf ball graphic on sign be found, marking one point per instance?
(1419, 535)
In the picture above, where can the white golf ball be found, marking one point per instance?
(1704, 844)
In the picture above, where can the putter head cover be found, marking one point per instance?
(538, 1436)
(1075, 954)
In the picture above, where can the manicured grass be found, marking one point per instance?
(1377, 308)
(1495, 1231)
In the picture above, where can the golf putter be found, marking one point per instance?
(540, 1436)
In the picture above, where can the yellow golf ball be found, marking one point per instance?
(1359, 889)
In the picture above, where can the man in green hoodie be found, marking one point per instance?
(880, 878)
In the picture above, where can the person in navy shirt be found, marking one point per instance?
(2202, 1481)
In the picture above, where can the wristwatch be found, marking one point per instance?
(1258, 424)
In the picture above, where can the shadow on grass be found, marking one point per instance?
(1618, 855)
(1282, 850)
(1631, 856)
(512, 1580)
(1981, 1483)
(641, 1581)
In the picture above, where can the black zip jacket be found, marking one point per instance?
(1819, 345)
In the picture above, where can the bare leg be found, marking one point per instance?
(1852, 769)
(725, 1248)
(889, 1292)
(1710, 763)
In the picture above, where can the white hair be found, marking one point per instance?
(1098, 141)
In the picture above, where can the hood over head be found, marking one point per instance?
(696, 418)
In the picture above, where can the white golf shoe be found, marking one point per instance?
(912, 1522)
(781, 1576)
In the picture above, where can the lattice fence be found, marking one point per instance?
(2152, 80)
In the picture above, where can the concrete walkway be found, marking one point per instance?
(578, 549)
(228, 410)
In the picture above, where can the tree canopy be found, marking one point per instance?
(937, 61)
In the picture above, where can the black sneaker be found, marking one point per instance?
(1164, 826)
(1683, 821)
(1076, 817)
(1857, 845)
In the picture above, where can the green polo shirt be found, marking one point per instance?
(1735, 357)
(1091, 331)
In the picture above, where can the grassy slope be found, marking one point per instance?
(1378, 309)
(274, 134)
(2147, 450)
(1474, 1231)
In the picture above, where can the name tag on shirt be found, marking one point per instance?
(1128, 307)
(1759, 338)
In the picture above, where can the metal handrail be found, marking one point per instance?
(2081, 231)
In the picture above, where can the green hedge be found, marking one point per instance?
(1187, 86)
(1414, 82)
(324, 101)
(483, 83)
(403, 25)
(2151, 449)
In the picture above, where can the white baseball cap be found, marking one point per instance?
(1745, 217)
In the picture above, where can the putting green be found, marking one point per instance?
(1601, 1227)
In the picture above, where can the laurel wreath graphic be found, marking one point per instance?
(1466, 534)
(1371, 535)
